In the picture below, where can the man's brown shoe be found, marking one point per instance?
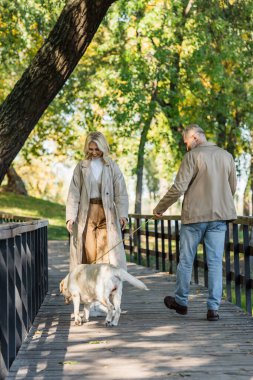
(212, 315)
(172, 304)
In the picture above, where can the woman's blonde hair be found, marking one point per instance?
(100, 140)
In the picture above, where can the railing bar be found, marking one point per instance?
(11, 299)
(130, 240)
(4, 325)
(177, 240)
(247, 286)
(24, 293)
(236, 266)
(163, 246)
(169, 237)
(228, 264)
(156, 246)
(147, 242)
(138, 223)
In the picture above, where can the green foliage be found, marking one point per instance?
(23, 27)
(162, 64)
(37, 208)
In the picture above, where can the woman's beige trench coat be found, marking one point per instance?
(115, 203)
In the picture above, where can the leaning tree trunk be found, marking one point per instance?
(47, 74)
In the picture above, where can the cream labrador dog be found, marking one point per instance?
(88, 283)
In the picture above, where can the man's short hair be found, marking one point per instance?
(195, 128)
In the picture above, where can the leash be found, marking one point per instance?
(131, 234)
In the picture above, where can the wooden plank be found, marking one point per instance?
(150, 342)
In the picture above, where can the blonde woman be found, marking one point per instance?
(97, 207)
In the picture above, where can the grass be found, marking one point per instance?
(37, 208)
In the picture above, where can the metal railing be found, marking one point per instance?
(23, 281)
(156, 244)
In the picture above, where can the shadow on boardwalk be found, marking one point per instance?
(151, 342)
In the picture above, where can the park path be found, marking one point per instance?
(151, 342)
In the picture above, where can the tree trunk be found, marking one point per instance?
(251, 188)
(46, 75)
(140, 165)
(171, 107)
(246, 198)
(251, 175)
(15, 183)
(141, 152)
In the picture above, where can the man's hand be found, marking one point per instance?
(70, 226)
(123, 223)
(157, 215)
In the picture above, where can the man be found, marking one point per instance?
(207, 178)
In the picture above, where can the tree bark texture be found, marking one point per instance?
(47, 73)
(15, 183)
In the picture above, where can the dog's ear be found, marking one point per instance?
(61, 286)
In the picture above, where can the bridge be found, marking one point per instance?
(151, 341)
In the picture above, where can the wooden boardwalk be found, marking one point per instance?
(151, 341)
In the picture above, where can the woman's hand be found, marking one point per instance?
(123, 223)
(70, 226)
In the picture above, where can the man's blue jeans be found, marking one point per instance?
(213, 235)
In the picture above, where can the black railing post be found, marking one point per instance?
(237, 266)
(147, 242)
(29, 278)
(33, 250)
(228, 264)
(170, 248)
(163, 246)
(24, 292)
(130, 240)
(138, 223)
(45, 252)
(18, 293)
(11, 300)
(37, 272)
(156, 246)
(177, 237)
(4, 319)
(247, 286)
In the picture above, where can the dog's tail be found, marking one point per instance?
(125, 276)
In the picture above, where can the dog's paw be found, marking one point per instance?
(78, 321)
(111, 324)
(108, 324)
(114, 324)
(84, 320)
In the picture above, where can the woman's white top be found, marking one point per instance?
(96, 177)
